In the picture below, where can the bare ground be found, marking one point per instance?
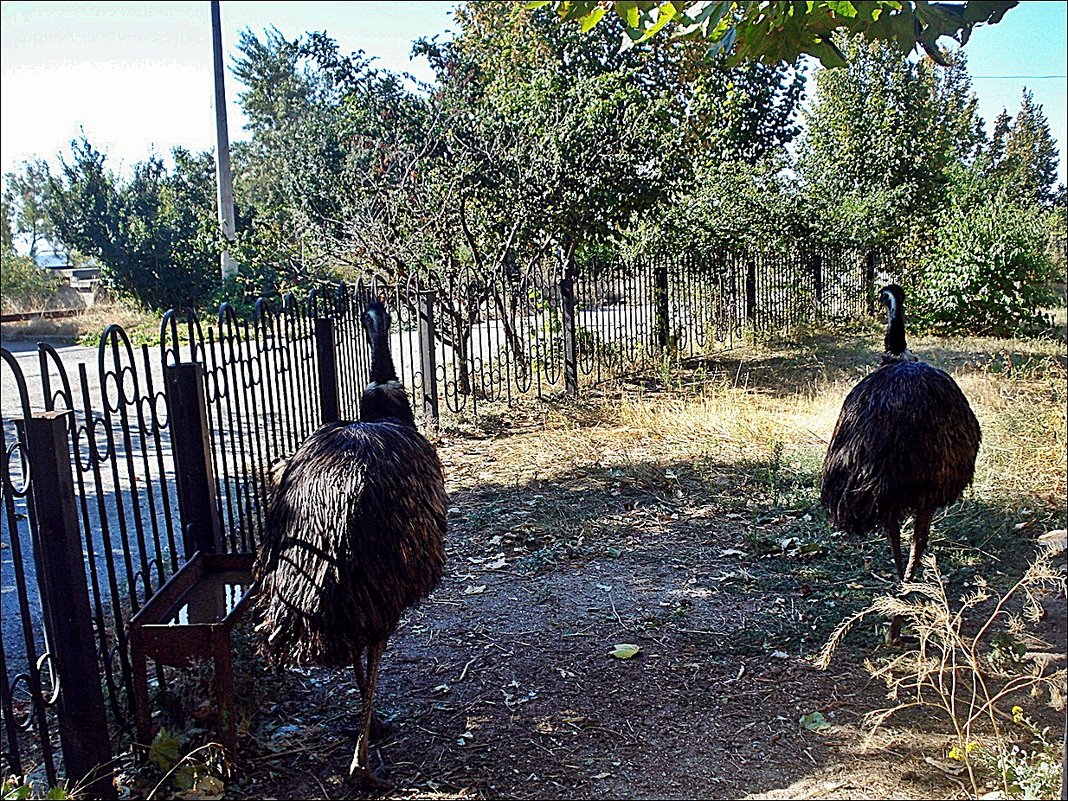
(575, 528)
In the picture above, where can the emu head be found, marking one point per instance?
(892, 296)
(375, 320)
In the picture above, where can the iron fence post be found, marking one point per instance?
(83, 725)
(194, 475)
(817, 283)
(326, 364)
(428, 358)
(869, 281)
(660, 304)
(750, 290)
(567, 303)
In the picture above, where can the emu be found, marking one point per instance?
(905, 443)
(355, 534)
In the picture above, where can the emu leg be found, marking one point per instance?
(379, 728)
(893, 534)
(919, 542)
(920, 534)
(358, 767)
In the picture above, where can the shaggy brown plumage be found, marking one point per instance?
(354, 536)
(905, 443)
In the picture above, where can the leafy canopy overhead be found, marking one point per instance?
(782, 31)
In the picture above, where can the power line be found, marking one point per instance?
(1018, 77)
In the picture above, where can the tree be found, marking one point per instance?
(783, 31)
(881, 135)
(1024, 155)
(748, 108)
(728, 207)
(7, 233)
(25, 195)
(320, 124)
(155, 235)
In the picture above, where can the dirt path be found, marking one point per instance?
(684, 521)
(503, 684)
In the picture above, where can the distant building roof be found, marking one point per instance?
(52, 260)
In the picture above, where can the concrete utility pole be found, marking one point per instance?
(222, 150)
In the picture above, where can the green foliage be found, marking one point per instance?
(165, 750)
(19, 789)
(988, 272)
(773, 32)
(1029, 771)
(746, 113)
(154, 235)
(196, 773)
(25, 205)
(1023, 154)
(880, 138)
(24, 285)
(731, 206)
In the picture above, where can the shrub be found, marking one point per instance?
(988, 272)
(23, 285)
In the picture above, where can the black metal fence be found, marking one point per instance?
(114, 474)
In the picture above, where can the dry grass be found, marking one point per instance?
(753, 426)
(764, 403)
(87, 327)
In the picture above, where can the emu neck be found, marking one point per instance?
(895, 330)
(382, 369)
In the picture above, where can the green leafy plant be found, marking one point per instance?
(1032, 770)
(989, 273)
(773, 32)
(196, 774)
(19, 788)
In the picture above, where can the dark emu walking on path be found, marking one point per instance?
(354, 536)
(905, 443)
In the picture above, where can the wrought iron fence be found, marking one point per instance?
(168, 450)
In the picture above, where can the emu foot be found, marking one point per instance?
(364, 779)
(380, 729)
(894, 635)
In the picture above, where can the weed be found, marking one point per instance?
(16, 788)
(967, 678)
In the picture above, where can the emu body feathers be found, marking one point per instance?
(905, 442)
(356, 537)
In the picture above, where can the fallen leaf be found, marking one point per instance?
(205, 788)
(1057, 539)
(814, 721)
(625, 651)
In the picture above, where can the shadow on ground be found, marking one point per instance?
(503, 683)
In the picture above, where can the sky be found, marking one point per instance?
(136, 78)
